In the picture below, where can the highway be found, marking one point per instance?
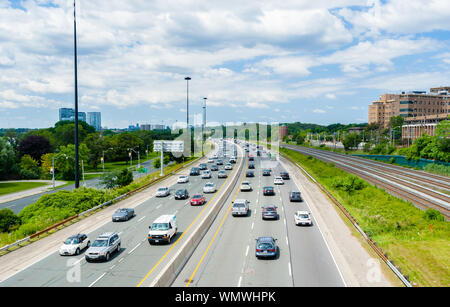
(137, 257)
(420, 188)
(226, 255)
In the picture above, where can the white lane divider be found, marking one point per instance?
(134, 248)
(97, 279)
(141, 218)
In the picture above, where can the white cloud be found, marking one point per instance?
(319, 111)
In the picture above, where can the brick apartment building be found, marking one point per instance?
(421, 111)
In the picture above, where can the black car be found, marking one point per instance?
(123, 214)
(250, 174)
(214, 168)
(181, 194)
(268, 191)
(295, 196)
(251, 166)
(195, 171)
(219, 162)
(266, 172)
(203, 166)
(266, 247)
(284, 175)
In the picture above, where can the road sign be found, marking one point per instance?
(168, 146)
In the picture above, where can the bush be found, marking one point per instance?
(8, 220)
(27, 175)
(438, 169)
(433, 215)
(348, 184)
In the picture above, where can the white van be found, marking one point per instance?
(163, 229)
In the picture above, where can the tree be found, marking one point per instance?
(125, 177)
(95, 144)
(7, 157)
(65, 161)
(35, 146)
(29, 168)
(117, 178)
(157, 163)
(351, 140)
(46, 165)
(443, 129)
(8, 220)
(299, 139)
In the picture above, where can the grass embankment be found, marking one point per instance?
(14, 187)
(400, 229)
(53, 208)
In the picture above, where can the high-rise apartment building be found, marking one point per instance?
(152, 127)
(95, 119)
(69, 114)
(410, 105)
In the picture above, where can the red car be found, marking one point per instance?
(198, 200)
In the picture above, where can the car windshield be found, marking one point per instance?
(269, 208)
(100, 243)
(121, 211)
(162, 189)
(265, 246)
(71, 241)
(295, 193)
(180, 191)
(160, 226)
(239, 205)
(209, 185)
(303, 216)
(197, 196)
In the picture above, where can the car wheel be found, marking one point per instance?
(118, 248)
(77, 252)
(107, 256)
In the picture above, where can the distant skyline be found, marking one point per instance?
(319, 62)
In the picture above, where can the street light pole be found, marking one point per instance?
(77, 176)
(204, 122)
(188, 130)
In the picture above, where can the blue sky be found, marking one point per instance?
(257, 61)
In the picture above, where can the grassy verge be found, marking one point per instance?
(14, 187)
(417, 241)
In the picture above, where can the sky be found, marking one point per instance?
(318, 61)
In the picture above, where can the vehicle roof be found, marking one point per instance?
(302, 212)
(165, 218)
(265, 239)
(106, 235)
(268, 187)
(240, 201)
(269, 206)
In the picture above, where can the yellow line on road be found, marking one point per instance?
(176, 242)
(217, 231)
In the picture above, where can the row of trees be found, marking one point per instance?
(31, 154)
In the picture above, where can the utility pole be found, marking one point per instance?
(188, 129)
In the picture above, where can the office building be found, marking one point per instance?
(95, 119)
(410, 105)
(148, 127)
(283, 131)
(69, 114)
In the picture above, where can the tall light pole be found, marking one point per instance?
(204, 122)
(77, 176)
(188, 130)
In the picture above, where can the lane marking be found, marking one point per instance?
(141, 218)
(239, 282)
(134, 248)
(246, 252)
(97, 279)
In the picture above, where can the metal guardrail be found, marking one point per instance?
(46, 230)
(372, 244)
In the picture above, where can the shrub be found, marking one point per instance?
(8, 220)
(348, 184)
(433, 215)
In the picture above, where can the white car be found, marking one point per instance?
(228, 166)
(302, 218)
(240, 207)
(209, 187)
(183, 179)
(162, 192)
(210, 160)
(278, 180)
(245, 186)
(74, 245)
(206, 175)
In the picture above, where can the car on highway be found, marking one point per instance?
(251, 166)
(215, 156)
(210, 187)
(269, 212)
(250, 174)
(228, 166)
(222, 174)
(219, 162)
(240, 207)
(268, 191)
(214, 168)
(195, 171)
(163, 192)
(284, 175)
(198, 200)
(246, 187)
(123, 214)
(251, 158)
(295, 196)
(302, 218)
(74, 245)
(278, 180)
(183, 179)
(266, 247)
(182, 194)
(266, 172)
(163, 229)
(210, 160)
(206, 174)
(103, 247)
(203, 166)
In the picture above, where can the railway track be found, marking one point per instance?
(396, 182)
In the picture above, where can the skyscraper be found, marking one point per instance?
(69, 114)
(95, 119)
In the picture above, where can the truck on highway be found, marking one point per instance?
(163, 229)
